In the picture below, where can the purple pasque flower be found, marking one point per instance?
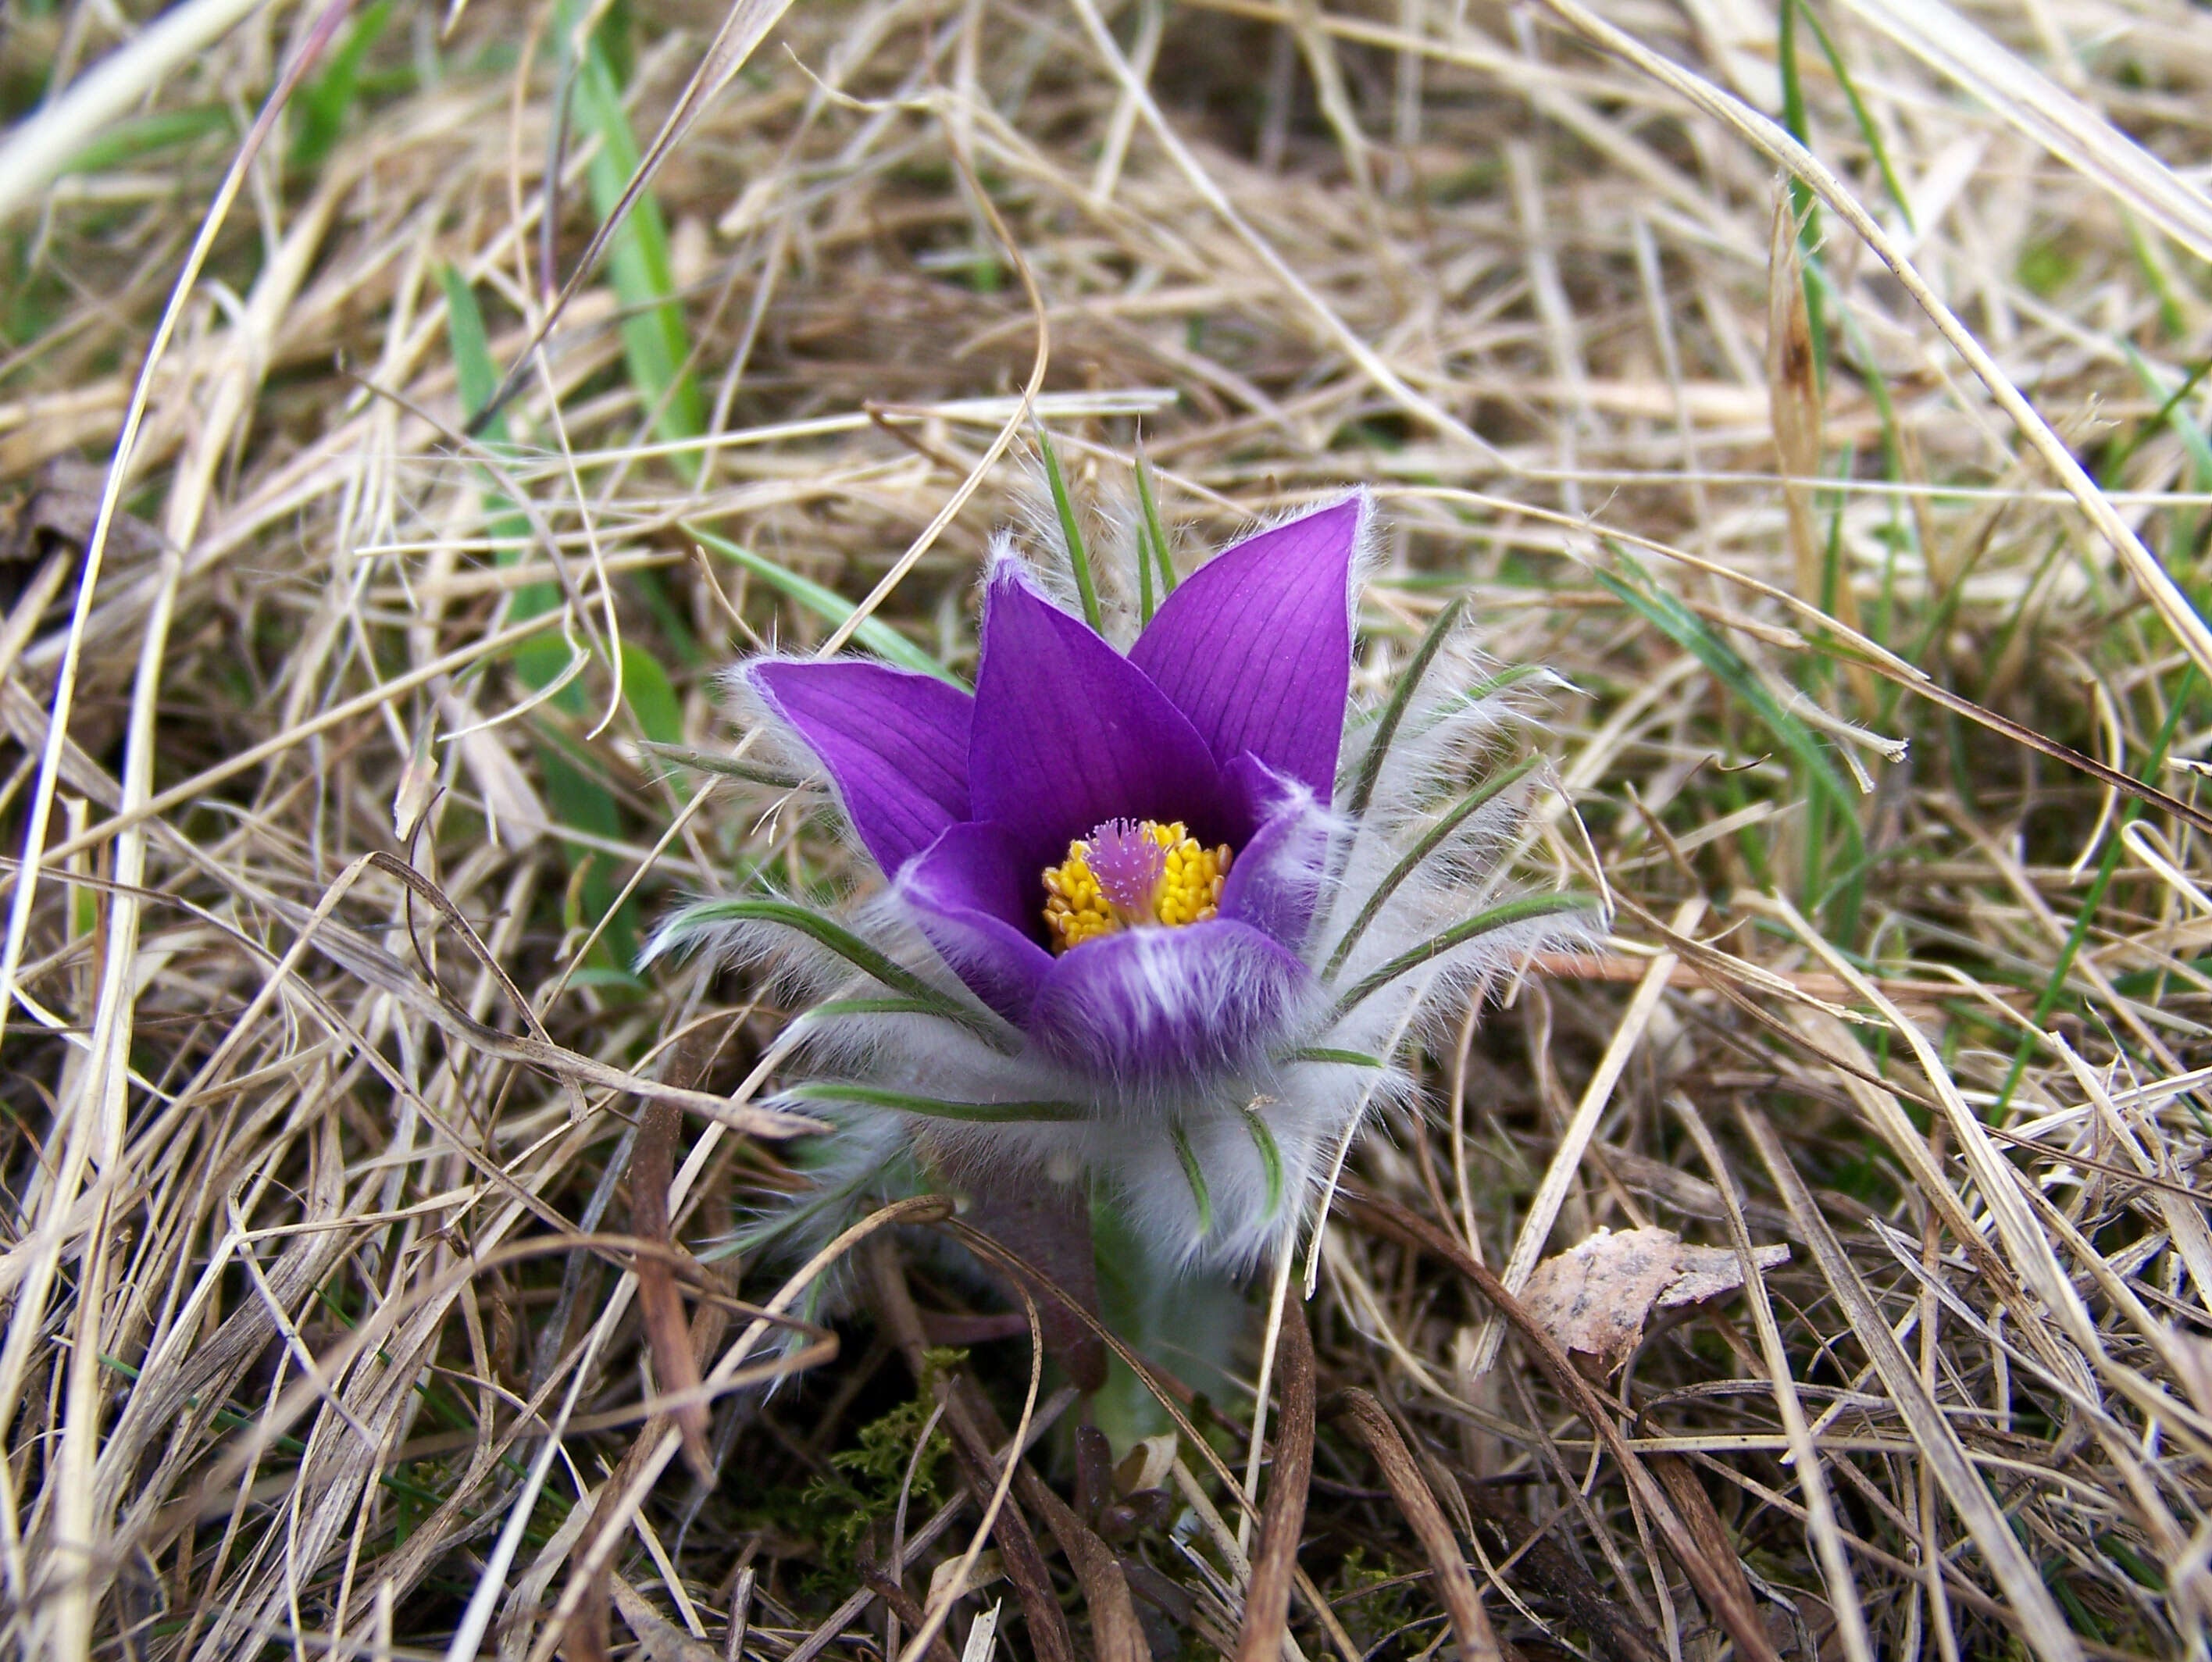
(1143, 923)
(1223, 720)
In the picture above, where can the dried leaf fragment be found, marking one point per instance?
(1596, 1297)
(61, 507)
(988, 1568)
(659, 1638)
(1707, 1272)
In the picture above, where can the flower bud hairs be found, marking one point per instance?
(1159, 924)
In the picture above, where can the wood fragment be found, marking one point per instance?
(660, 1305)
(966, 1416)
(1741, 1621)
(1359, 1412)
(1533, 1559)
(1275, 1557)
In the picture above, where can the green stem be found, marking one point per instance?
(1077, 556)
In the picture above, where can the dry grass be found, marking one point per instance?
(325, 713)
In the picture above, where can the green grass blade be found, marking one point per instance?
(1806, 210)
(579, 800)
(2055, 986)
(877, 636)
(1077, 556)
(653, 704)
(1881, 627)
(2170, 416)
(574, 796)
(1148, 505)
(1144, 574)
(2173, 313)
(656, 347)
(1868, 130)
(1689, 631)
(542, 659)
(2108, 470)
(472, 366)
(651, 697)
(321, 106)
(142, 135)
(1793, 106)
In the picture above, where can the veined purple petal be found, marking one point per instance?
(1068, 733)
(1255, 647)
(893, 743)
(969, 894)
(1149, 1005)
(1276, 880)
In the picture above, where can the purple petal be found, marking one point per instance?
(1148, 1005)
(1276, 880)
(894, 743)
(969, 894)
(1069, 733)
(1255, 647)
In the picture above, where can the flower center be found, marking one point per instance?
(1128, 872)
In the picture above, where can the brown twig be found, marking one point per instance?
(1115, 1635)
(660, 1305)
(1275, 1558)
(1359, 1412)
(1741, 1621)
(965, 1417)
(1529, 1556)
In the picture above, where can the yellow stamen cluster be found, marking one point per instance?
(1187, 890)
